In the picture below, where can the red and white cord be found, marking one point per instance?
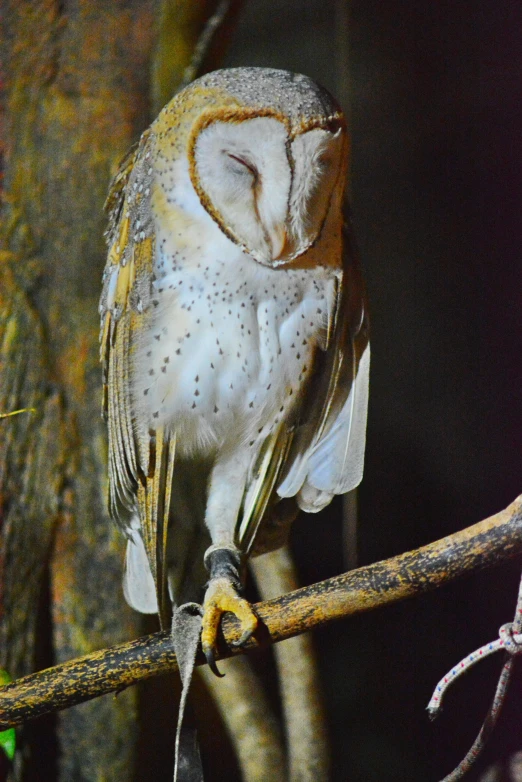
(510, 641)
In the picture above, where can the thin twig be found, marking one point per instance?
(485, 544)
(193, 38)
(205, 41)
(17, 412)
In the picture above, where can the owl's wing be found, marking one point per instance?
(327, 452)
(141, 461)
(322, 452)
(259, 497)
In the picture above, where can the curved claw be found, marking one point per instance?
(211, 661)
(222, 596)
(247, 635)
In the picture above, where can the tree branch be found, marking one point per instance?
(482, 545)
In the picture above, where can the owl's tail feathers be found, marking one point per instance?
(138, 583)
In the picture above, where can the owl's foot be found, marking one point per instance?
(222, 595)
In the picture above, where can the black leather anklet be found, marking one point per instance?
(224, 563)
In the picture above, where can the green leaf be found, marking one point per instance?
(8, 742)
(7, 737)
(4, 677)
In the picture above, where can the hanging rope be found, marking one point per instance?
(509, 641)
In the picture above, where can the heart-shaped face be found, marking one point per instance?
(268, 189)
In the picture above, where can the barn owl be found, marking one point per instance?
(234, 335)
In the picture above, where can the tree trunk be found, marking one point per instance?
(75, 99)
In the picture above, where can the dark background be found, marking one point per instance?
(432, 90)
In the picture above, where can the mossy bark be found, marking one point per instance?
(77, 76)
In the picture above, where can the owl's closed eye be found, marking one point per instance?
(268, 188)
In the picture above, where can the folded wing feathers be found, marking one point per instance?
(138, 584)
(141, 463)
(154, 494)
(261, 487)
(336, 464)
(329, 455)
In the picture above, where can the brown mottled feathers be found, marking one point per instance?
(141, 462)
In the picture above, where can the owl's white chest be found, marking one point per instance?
(230, 345)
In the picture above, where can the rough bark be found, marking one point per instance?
(75, 99)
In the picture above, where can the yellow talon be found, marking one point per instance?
(222, 596)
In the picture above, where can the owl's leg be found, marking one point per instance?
(224, 594)
(223, 558)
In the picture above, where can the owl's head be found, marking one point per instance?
(266, 156)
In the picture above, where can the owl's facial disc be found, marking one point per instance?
(268, 194)
(318, 167)
(243, 179)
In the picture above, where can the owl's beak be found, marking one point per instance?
(279, 242)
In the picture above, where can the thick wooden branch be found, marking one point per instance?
(482, 545)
